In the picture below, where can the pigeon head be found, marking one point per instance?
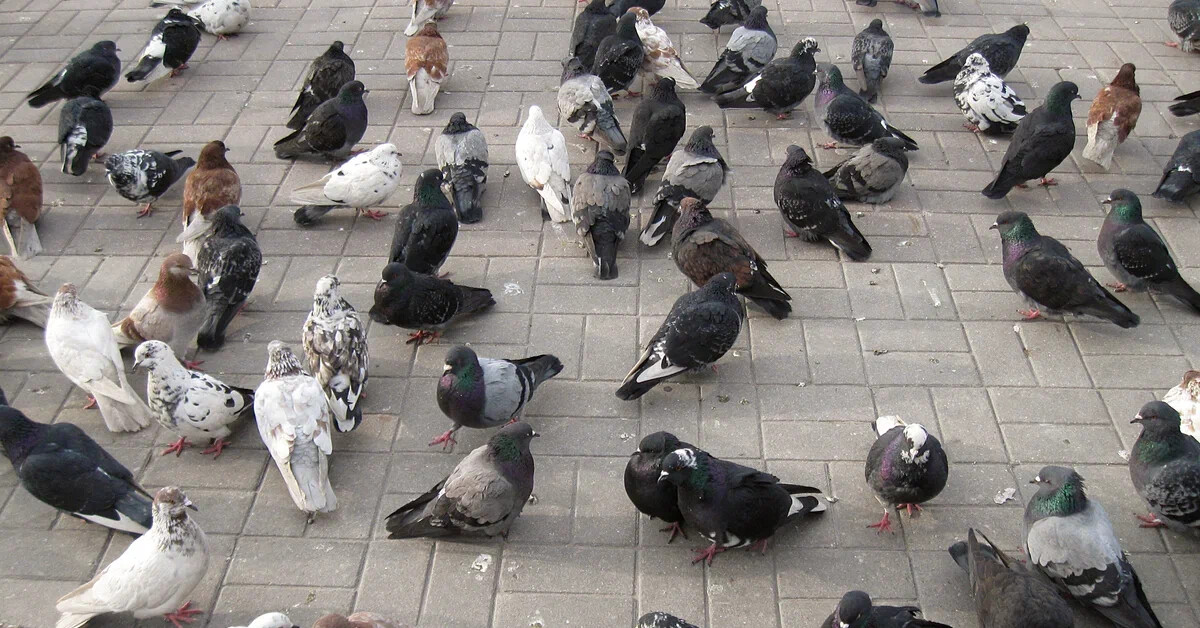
(428, 189)
(338, 46)
(106, 47)
(1191, 383)
(978, 63)
(915, 451)
(213, 155)
(664, 88)
(462, 362)
(281, 362)
(853, 611)
(274, 620)
(1156, 417)
(757, 20)
(1060, 492)
(536, 120)
(805, 47)
(18, 434)
(893, 147)
(1125, 78)
(1126, 206)
(641, 15)
(430, 29)
(876, 25)
(396, 274)
(701, 142)
(683, 466)
(798, 162)
(511, 442)
(152, 354)
(603, 165)
(1061, 96)
(691, 206)
(326, 293)
(177, 266)
(658, 443)
(7, 145)
(67, 300)
(457, 124)
(1019, 32)
(227, 217)
(1015, 226)
(721, 283)
(170, 502)
(176, 14)
(627, 27)
(351, 92)
(830, 77)
(572, 68)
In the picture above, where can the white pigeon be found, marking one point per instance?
(153, 576)
(270, 620)
(218, 17)
(335, 342)
(542, 157)
(189, 403)
(366, 180)
(661, 58)
(425, 11)
(294, 422)
(985, 99)
(1185, 398)
(81, 343)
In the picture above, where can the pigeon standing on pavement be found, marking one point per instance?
(847, 117)
(1164, 465)
(361, 619)
(171, 44)
(811, 208)
(271, 620)
(658, 619)
(212, 185)
(621, 7)
(427, 227)
(331, 130)
(1183, 16)
(660, 56)
(873, 173)
(750, 48)
(1001, 50)
(658, 124)
(326, 76)
(335, 343)
(91, 72)
(594, 23)
(172, 311)
(229, 263)
(223, 18)
(989, 104)
(545, 166)
(366, 180)
(655, 499)
(1007, 594)
(423, 302)
(727, 12)
(781, 86)
(1136, 255)
(84, 125)
(1181, 176)
(1113, 115)
(1186, 104)
(1185, 398)
(871, 56)
(906, 467)
(855, 609)
(20, 200)
(426, 12)
(1043, 139)
(600, 211)
(20, 297)
(462, 154)
(142, 176)
(426, 60)
(697, 170)
(585, 102)
(619, 56)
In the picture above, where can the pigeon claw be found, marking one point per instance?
(707, 554)
(184, 614)
(788, 233)
(176, 447)
(1168, 44)
(1047, 182)
(971, 127)
(1150, 521)
(676, 530)
(909, 508)
(1117, 286)
(884, 524)
(192, 364)
(373, 214)
(1030, 314)
(761, 544)
(422, 337)
(179, 70)
(446, 440)
(146, 211)
(829, 145)
(99, 156)
(91, 403)
(218, 445)
(783, 116)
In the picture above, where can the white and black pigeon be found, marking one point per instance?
(427, 228)
(84, 125)
(856, 610)
(658, 619)
(366, 180)
(989, 104)
(1136, 255)
(871, 56)
(93, 71)
(1184, 18)
(271, 620)
(848, 117)
(332, 129)
(64, 468)
(1070, 540)
(657, 500)
(659, 122)
(153, 576)
(545, 166)
(697, 170)
(142, 176)
(1002, 50)
(751, 47)
(326, 76)
(229, 262)
(906, 467)
(1007, 594)
(781, 86)
(812, 209)
(1164, 464)
(335, 343)
(223, 18)
(190, 403)
(462, 154)
(873, 173)
(424, 12)
(1042, 141)
(585, 102)
(726, 12)
(482, 496)
(600, 210)
(171, 44)
(1185, 398)
(1181, 176)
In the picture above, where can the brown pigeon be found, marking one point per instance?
(212, 185)
(360, 619)
(1112, 117)
(425, 60)
(172, 311)
(20, 199)
(19, 297)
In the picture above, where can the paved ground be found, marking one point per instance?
(926, 329)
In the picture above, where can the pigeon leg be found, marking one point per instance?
(1047, 182)
(1150, 521)
(177, 447)
(179, 70)
(99, 156)
(218, 445)
(829, 145)
(789, 233)
(674, 529)
(910, 508)
(146, 211)
(444, 275)
(91, 403)
(708, 553)
(783, 116)
(1031, 314)
(192, 364)
(446, 439)
(761, 544)
(971, 127)
(1022, 186)
(422, 337)
(371, 213)
(884, 524)
(184, 614)
(1168, 44)
(1117, 286)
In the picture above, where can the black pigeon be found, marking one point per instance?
(423, 302)
(855, 609)
(657, 500)
(326, 75)
(1164, 465)
(1007, 595)
(1043, 139)
(701, 326)
(427, 227)
(848, 117)
(600, 210)
(751, 47)
(732, 505)
(906, 467)
(873, 173)
(811, 208)
(658, 124)
(781, 86)
(1136, 255)
(658, 619)
(1186, 105)
(84, 126)
(93, 71)
(63, 467)
(171, 44)
(229, 262)
(697, 171)
(1184, 18)
(619, 55)
(585, 102)
(144, 175)
(1043, 271)
(332, 130)
(1181, 176)
(593, 24)
(1002, 50)
(725, 12)
(462, 154)
(871, 56)
(621, 7)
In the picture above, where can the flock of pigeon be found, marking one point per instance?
(1071, 549)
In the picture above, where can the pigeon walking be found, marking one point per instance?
(1164, 465)
(1007, 594)
(462, 154)
(655, 499)
(906, 467)
(335, 344)
(427, 227)
(1181, 176)
(1001, 50)
(989, 104)
(658, 124)
(142, 176)
(856, 609)
(212, 185)
(1112, 117)
(811, 208)
(750, 48)
(660, 56)
(172, 311)
(584, 101)
(229, 263)
(619, 56)
(873, 173)
(172, 42)
(1043, 139)
(727, 12)
(423, 302)
(366, 180)
(600, 210)
(847, 117)
(84, 126)
(426, 12)
(332, 129)
(426, 60)
(91, 72)
(20, 200)
(542, 158)
(871, 56)
(1136, 255)
(326, 76)
(781, 86)
(697, 170)
(1183, 16)
(593, 24)
(19, 297)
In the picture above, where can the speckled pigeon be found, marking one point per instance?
(84, 126)
(423, 302)
(657, 500)
(847, 117)
(144, 175)
(594, 23)
(172, 42)
(427, 227)
(659, 122)
(1164, 465)
(856, 610)
(1043, 139)
(811, 208)
(326, 75)
(751, 47)
(1181, 176)
(989, 104)
(871, 56)
(585, 102)
(335, 348)
(332, 129)
(93, 71)
(658, 619)
(600, 211)
(1007, 594)
(619, 56)
(1136, 255)
(1184, 18)
(696, 170)
(725, 12)
(462, 154)
(873, 173)
(229, 262)
(781, 86)
(1002, 50)
(906, 467)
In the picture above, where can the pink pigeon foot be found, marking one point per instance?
(99, 156)
(1150, 521)
(884, 524)
(445, 440)
(91, 403)
(1117, 286)
(373, 214)
(192, 364)
(707, 554)
(176, 447)
(783, 116)
(217, 446)
(788, 233)
(1030, 314)
(184, 614)
(971, 127)
(1168, 44)
(1047, 182)
(829, 145)
(422, 337)
(676, 530)
(146, 211)
(761, 544)
(910, 508)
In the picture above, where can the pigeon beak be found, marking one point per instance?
(662, 476)
(188, 504)
(446, 367)
(136, 365)
(195, 272)
(1137, 418)
(1107, 201)
(16, 145)
(994, 226)
(536, 435)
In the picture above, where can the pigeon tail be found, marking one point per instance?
(30, 305)
(851, 241)
(778, 310)
(305, 104)
(137, 510)
(681, 76)
(1175, 187)
(602, 244)
(74, 152)
(645, 375)
(26, 244)
(1188, 104)
(632, 388)
(557, 205)
(608, 130)
(638, 167)
(805, 500)
(909, 143)
(475, 299)
(45, 95)
(212, 334)
(181, 166)
(123, 416)
(312, 491)
(290, 146)
(945, 71)
(1180, 289)
(308, 215)
(464, 194)
(145, 67)
(1112, 310)
(738, 98)
(661, 222)
(1102, 141)
(74, 620)
(541, 367)
(884, 424)
(1000, 188)
(1129, 612)
(412, 519)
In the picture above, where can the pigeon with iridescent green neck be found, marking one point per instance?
(1043, 139)
(848, 117)
(1007, 594)
(1136, 255)
(1164, 465)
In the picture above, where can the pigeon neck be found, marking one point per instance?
(701, 145)
(1067, 500)
(456, 126)
(826, 94)
(323, 304)
(603, 167)
(1159, 444)
(628, 28)
(283, 365)
(429, 194)
(1127, 212)
(176, 294)
(507, 451)
(20, 438)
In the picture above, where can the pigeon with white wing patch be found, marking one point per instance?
(905, 467)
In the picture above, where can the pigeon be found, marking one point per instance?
(593, 24)
(1136, 255)
(426, 59)
(847, 117)
(223, 18)
(335, 344)
(660, 58)
(326, 76)
(481, 393)
(91, 72)
(427, 227)
(659, 619)
(873, 173)
(332, 129)
(811, 207)
(84, 125)
(700, 328)
(750, 48)
(360, 619)
(619, 56)
(424, 12)
(190, 403)
(855, 609)
(172, 42)
(366, 180)
(1007, 594)
(462, 154)
(658, 124)
(732, 505)
(271, 620)
(727, 12)
(81, 343)
(482, 496)
(927, 7)
(657, 500)
(697, 170)
(1164, 465)
(600, 210)
(1043, 139)
(781, 86)
(153, 576)
(703, 247)
(906, 466)
(584, 101)
(64, 468)
(1001, 50)
(142, 176)
(542, 158)
(294, 422)
(1070, 540)
(1178, 181)
(871, 56)
(1043, 271)
(212, 185)
(989, 104)
(229, 263)
(621, 7)
(19, 297)
(1186, 104)
(1112, 117)
(20, 200)
(171, 311)
(1184, 18)
(423, 302)
(1185, 398)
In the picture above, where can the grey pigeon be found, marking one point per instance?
(91, 72)
(427, 227)
(871, 56)
(657, 500)
(332, 130)
(1184, 18)
(84, 126)
(1136, 255)
(781, 86)
(462, 154)
(873, 173)
(1043, 271)
(811, 207)
(906, 466)
(1186, 104)
(725, 12)
(1007, 594)
(989, 104)
(585, 102)
(1181, 176)
(600, 211)
(1070, 540)
(658, 619)
(229, 262)
(423, 302)
(697, 170)
(848, 117)
(1164, 465)
(480, 393)
(619, 56)
(594, 23)
(855, 609)
(326, 75)
(425, 12)
(1043, 139)
(1002, 50)
(751, 47)
(144, 175)
(172, 42)
(659, 122)
(482, 496)
(928, 7)
(335, 345)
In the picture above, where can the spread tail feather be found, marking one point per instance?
(74, 620)
(476, 299)
(411, 520)
(636, 170)
(465, 191)
(608, 130)
(541, 367)
(778, 309)
(147, 66)
(681, 76)
(137, 509)
(661, 222)
(909, 143)
(736, 99)
(27, 243)
(1001, 186)
(556, 205)
(646, 374)
(290, 146)
(851, 242)
(1102, 141)
(1186, 104)
(805, 500)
